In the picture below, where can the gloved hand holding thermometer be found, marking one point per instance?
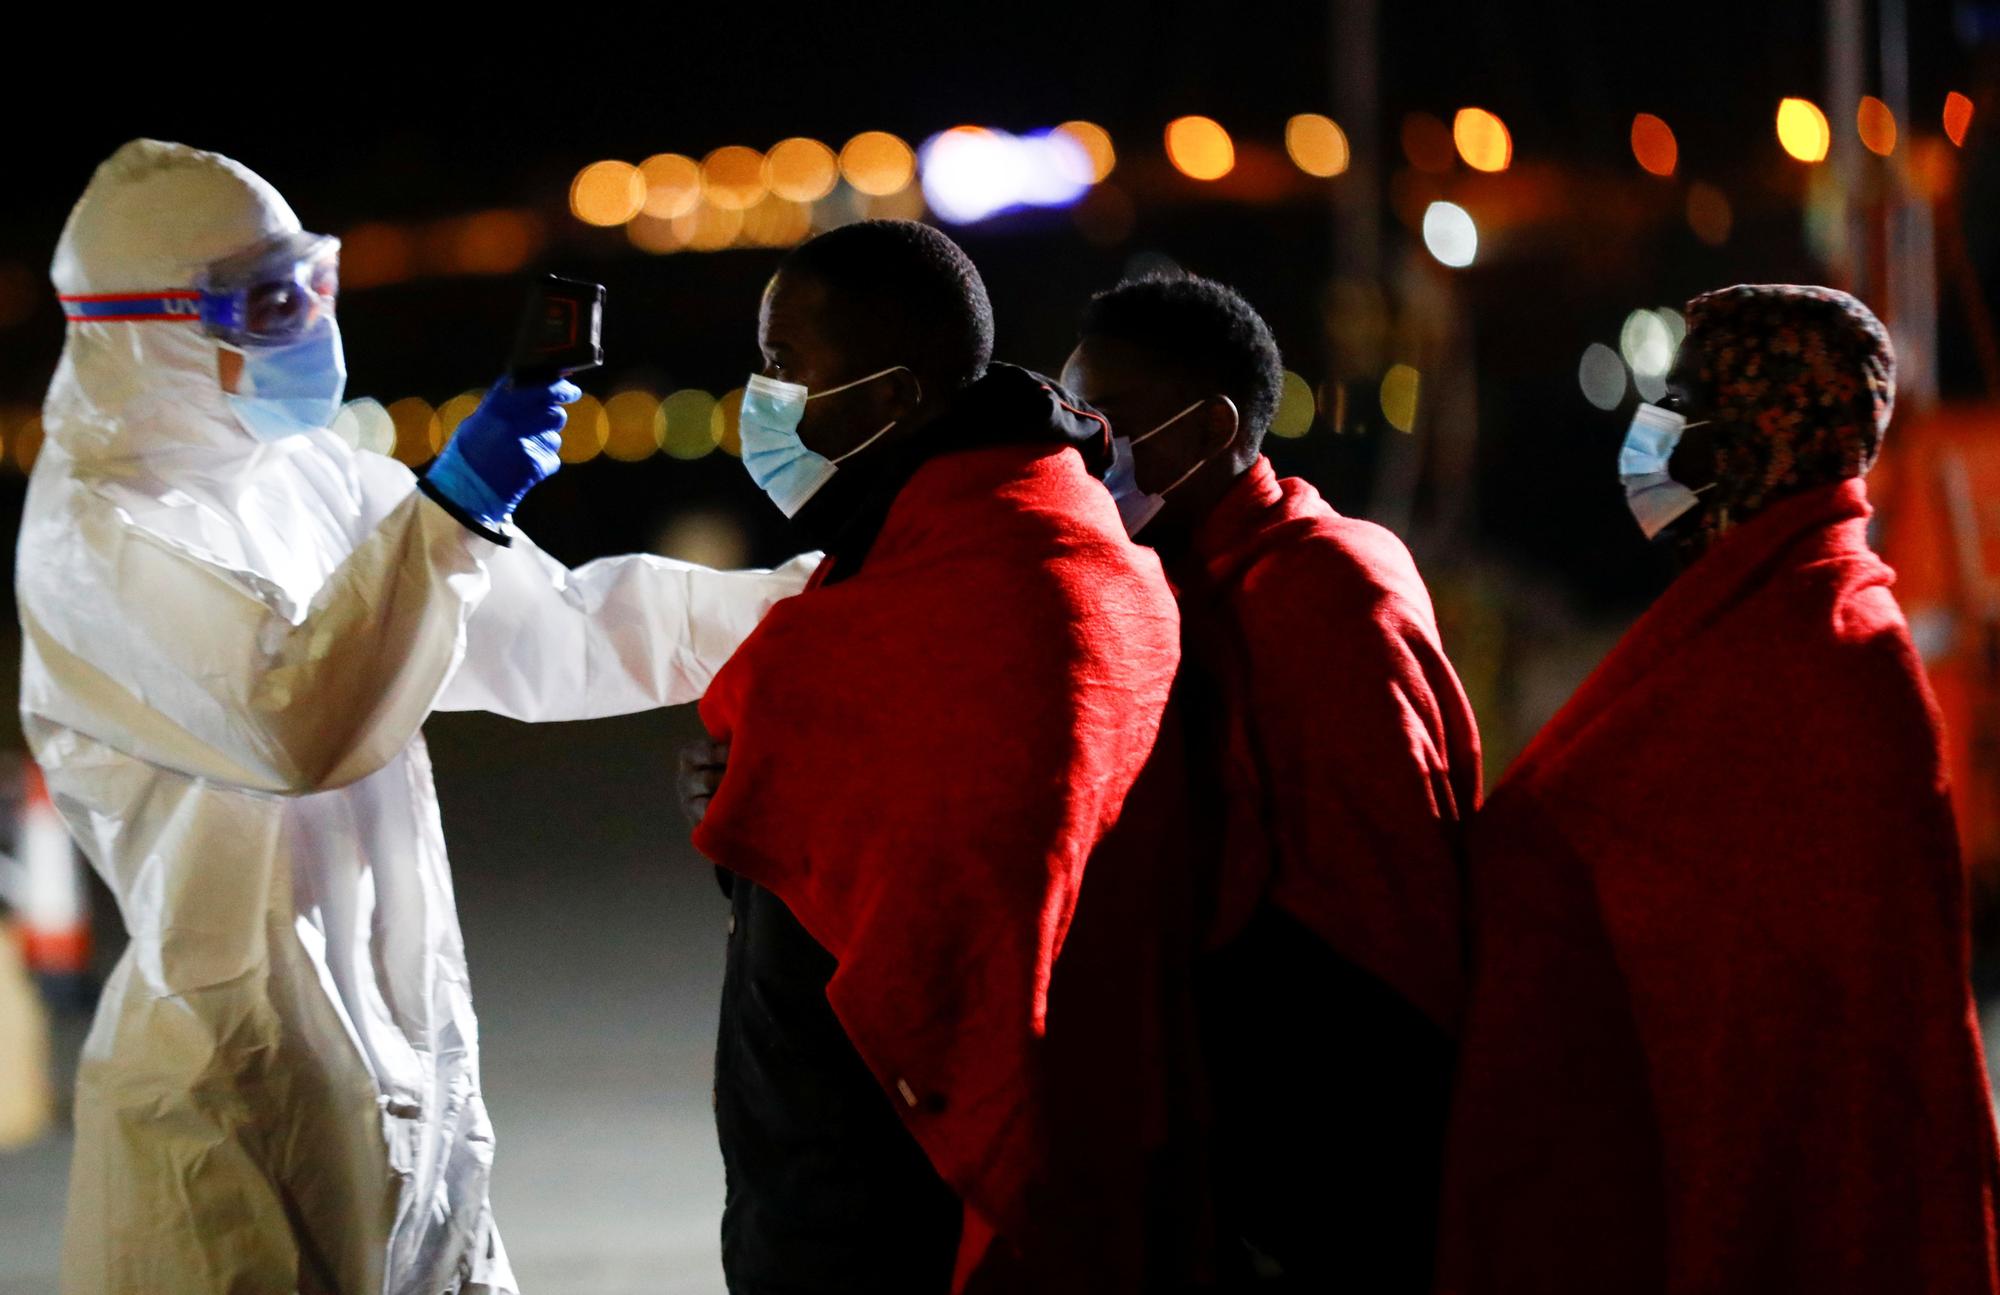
(513, 441)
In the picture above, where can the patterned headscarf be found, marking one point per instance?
(1799, 383)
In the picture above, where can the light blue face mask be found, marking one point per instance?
(777, 460)
(1135, 506)
(1655, 498)
(288, 390)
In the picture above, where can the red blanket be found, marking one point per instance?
(1353, 754)
(923, 757)
(1720, 1036)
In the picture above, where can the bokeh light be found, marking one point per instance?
(365, 425)
(585, 430)
(1450, 234)
(1876, 126)
(1200, 148)
(776, 222)
(1427, 143)
(971, 173)
(629, 417)
(673, 185)
(1399, 397)
(1709, 213)
(450, 414)
(26, 442)
(732, 177)
(494, 242)
(1482, 140)
(801, 170)
(724, 428)
(1646, 344)
(706, 536)
(416, 429)
(1096, 144)
(1957, 117)
(877, 163)
(375, 254)
(684, 425)
(654, 234)
(1654, 145)
(708, 228)
(607, 193)
(1602, 376)
(906, 203)
(1317, 144)
(1294, 416)
(1803, 131)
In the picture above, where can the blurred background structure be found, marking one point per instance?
(1470, 225)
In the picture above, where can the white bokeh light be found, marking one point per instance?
(1450, 234)
(1602, 376)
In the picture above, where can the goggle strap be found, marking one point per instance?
(173, 307)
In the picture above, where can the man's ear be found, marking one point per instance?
(906, 392)
(1222, 426)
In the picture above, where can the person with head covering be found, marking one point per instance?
(233, 627)
(1720, 1035)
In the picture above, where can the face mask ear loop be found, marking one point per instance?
(1143, 437)
(865, 444)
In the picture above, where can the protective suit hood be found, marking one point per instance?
(153, 215)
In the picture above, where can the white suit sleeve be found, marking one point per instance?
(210, 671)
(611, 637)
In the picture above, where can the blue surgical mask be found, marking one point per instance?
(1655, 498)
(289, 390)
(1135, 506)
(777, 460)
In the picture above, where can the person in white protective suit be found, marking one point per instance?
(234, 624)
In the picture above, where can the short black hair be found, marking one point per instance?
(916, 286)
(1202, 327)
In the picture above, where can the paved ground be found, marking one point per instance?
(595, 936)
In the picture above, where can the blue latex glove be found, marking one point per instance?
(504, 449)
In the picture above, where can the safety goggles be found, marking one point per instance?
(270, 295)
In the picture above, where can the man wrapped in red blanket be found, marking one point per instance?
(1720, 1037)
(926, 752)
(1335, 759)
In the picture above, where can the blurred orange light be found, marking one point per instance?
(27, 442)
(416, 430)
(1877, 125)
(1317, 144)
(653, 234)
(629, 418)
(1200, 148)
(877, 163)
(1096, 141)
(1654, 145)
(1427, 143)
(1957, 117)
(1482, 140)
(375, 254)
(733, 177)
(776, 222)
(673, 184)
(708, 228)
(724, 423)
(496, 242)
(449, 415)
(607, 193)
(585, 431)
(801, 170)
(1803, 131)
(1709, 214)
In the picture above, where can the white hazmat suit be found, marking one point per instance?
(229, 648)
